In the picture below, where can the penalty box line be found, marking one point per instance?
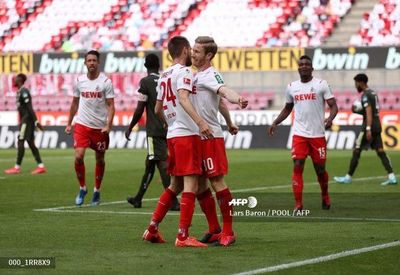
(283, 186)
(321, 259)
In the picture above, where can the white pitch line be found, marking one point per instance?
(233, 191)
(2, 178)
(321, 259)
(170, 213)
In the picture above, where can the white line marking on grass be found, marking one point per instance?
(321, 259)
(2, 178)
(233, 191)
(170, 213)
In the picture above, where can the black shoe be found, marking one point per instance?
(326, 206)
(211, 237)
(175, 205)
(135, 202)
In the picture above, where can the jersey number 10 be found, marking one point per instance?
(167, 92)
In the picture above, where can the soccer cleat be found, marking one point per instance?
(153, 237)
(12, 171)
(211, 237)
(326, 205)
(389, 182)
(175, 206)
(342, 180)
(226, 240)
(189, 242)
(95, 199)
(135, 202)
(39, 170)
(80, 197)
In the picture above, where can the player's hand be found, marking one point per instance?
(328, 123)
(205, 130)
(243, 102)
(233, 129)
(68, 129)
(39, 126)
(369, 135)
(128, 133)
(105, 130)
(271, 130)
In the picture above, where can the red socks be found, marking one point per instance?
(185, 219)
(80, 173)
(323, 183)
(99, 175)
(297, 185)
(224, 197)
(207, 204)
(164, 204)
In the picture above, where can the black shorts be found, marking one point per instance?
(27, 131)
(157, 148)
(363, 144)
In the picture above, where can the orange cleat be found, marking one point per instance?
(189, 242)
(12, 171)
(39, 170)
(226, 240)
(153, 237)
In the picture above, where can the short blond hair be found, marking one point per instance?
(208, 43)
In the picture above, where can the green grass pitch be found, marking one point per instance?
(107, 239)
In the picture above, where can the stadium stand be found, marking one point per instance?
(380, 27)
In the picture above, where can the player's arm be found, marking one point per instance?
(184, 100)
(31, 112)
(136, 116)
(281, 117)
(368, 112)
(333, 110)
(233, 97)
(72, 111)
(223, 109)
(110, 115)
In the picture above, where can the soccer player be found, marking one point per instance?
(174, 104)
(94, 101)
(155, 130)
(209, 88)
(370, 135)
(28, 123)
(308, 96)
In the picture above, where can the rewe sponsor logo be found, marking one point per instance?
(92, 94)
(392, 59)
(302, 97)
(58, 65)
(123, 64)
(339, 61)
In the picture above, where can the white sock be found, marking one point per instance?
(391, 176)
(348, 177)
(41, 165)
(83, 188)
(96, 190)
(16, 166)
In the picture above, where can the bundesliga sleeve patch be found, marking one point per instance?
(187, 81)
(219, 78)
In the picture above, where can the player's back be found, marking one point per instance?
(171, 80)
(92, 111)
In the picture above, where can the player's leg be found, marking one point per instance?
(377, 144)
(166, 181)
(208, 206)
(99, 173)
(224, 196)
(152, 233)
(20, 151)
(360, 143)
(318, 153)
(150, 167)
(40, 169)
(81, 142)
(300, 151)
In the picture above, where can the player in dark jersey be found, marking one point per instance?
(370, 135)
(155, 130)
(28, 123)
